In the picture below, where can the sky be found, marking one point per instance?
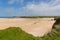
(10, 8)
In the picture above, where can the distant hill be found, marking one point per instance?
(34, 16)
(30, 17)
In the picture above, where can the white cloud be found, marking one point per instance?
(11, 1)
(45, 8)
(15, 1)
(54, 2)
(39, 9)
(9, 10)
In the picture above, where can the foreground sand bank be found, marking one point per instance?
(34, 26)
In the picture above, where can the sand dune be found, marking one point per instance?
(34, 26)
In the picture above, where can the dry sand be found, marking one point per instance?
(34, 26)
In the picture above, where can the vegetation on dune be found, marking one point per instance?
(13, 33)
(16, 33)
(33, 16)
(54, 35)
(38, 16)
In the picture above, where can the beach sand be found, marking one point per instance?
(34, 26)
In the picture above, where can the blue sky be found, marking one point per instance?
(29, 8)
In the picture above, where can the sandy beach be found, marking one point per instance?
(34, 26)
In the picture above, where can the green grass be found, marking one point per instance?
(13, 33)
(16, 33)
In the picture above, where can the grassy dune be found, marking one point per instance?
(15, 33)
